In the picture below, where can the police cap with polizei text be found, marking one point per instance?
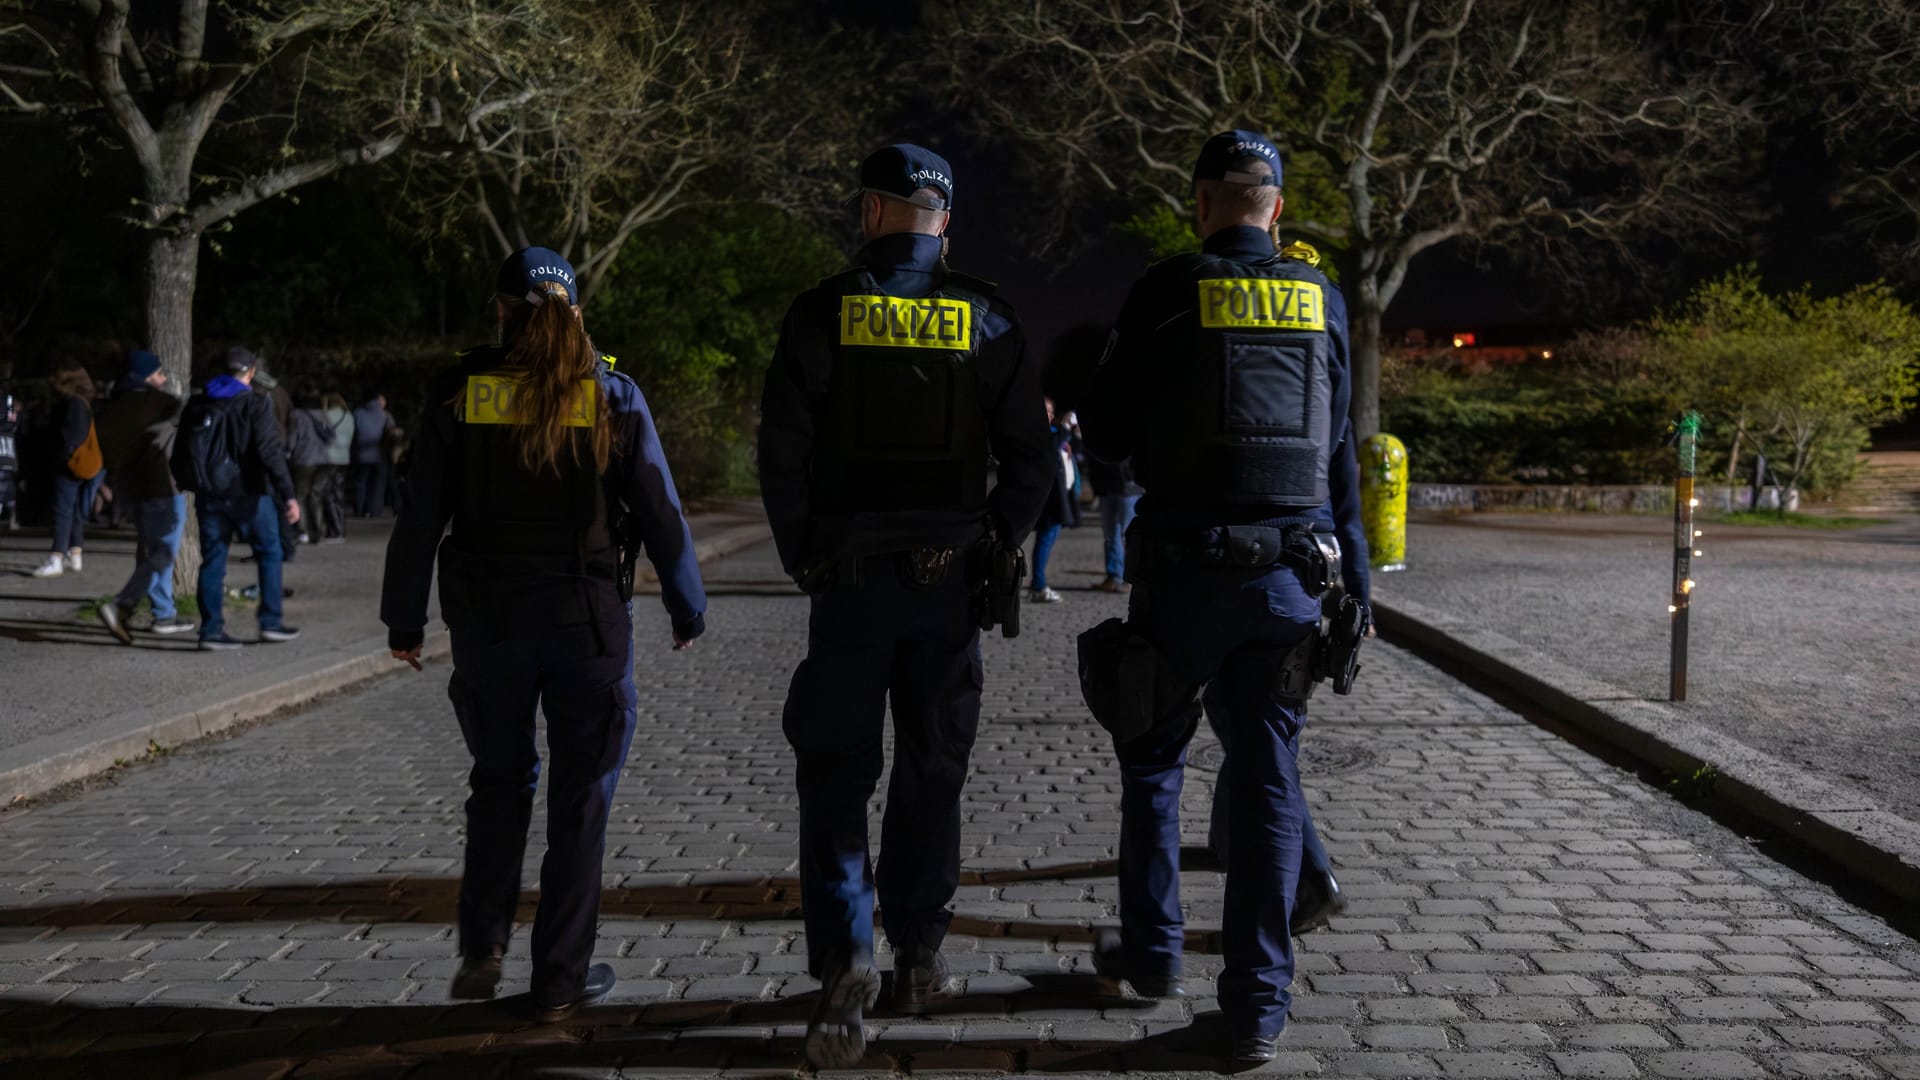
(523, 272)
(902, 169)
(1225, 157)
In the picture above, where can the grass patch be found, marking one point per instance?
(90, 610)
(1793, 519)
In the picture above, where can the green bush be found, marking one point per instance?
(1535, 424)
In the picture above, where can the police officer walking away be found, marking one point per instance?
(547, 465)
(1226, 383)
(892, 384)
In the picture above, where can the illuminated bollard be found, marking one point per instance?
(1383, 500)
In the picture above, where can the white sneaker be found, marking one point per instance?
(1042, 596)
(73, 560)
(53, 567)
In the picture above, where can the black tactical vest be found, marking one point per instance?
(511, 516)
(1243, 406)
(905, 429)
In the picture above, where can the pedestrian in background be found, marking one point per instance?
(307, 439)
(229, 454)
(137, 428)
(1114, 486)
(78, 469)
(1062, 508)
(371, 423)
(338, 419)
(264, 383)
(530, 588)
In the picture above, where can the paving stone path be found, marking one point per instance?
(280, 903)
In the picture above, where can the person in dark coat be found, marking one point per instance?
(137, 428)
(1060, 511)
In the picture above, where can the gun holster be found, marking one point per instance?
(1127, 683)
(1340, 645)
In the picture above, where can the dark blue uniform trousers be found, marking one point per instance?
(1226, 628)
(583, 681)
(868, 642)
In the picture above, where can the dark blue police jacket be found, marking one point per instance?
(1114, 417)
(637, 475)
(793, 409)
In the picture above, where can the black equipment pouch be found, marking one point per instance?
(926, 567)
(1126, 682)
(997, 572)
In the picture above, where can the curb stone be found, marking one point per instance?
(1841, 822)
(33, 769)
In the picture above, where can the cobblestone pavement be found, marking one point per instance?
(280, 903)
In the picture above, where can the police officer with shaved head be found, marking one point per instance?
(1226, 384)
(897, 387)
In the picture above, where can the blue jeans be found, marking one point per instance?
(251, 519)
(1225, 628)
(72, 502)
(1116, 513)
(583, 681)
(1043, 542)
(159, 523)
(868, 644)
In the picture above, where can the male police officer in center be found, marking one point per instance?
(1226, 383)
(893, 383)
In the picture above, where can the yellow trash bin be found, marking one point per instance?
(1383, 500)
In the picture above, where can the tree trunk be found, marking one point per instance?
(1364, 312)
(173, 262)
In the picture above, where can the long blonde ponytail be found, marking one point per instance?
(550, 354)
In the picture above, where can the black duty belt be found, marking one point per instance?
(1313, 555)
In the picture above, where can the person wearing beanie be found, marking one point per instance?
(137, 428)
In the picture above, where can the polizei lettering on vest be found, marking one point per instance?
(490, 400)
(1262, 304)
(896, 322)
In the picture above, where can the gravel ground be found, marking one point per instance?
(1804, 643)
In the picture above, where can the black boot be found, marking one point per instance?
(479, 974)
(1109, 962)
(599, 984)
(1317, 900)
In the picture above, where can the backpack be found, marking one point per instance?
(86, 461)
(204, 460)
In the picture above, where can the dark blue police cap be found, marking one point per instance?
(141, 363)
(902, 169)
(1223, 158)
(524, 271)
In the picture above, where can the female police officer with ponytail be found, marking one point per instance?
(534, 452)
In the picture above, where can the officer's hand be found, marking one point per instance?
(412, 656)
(293, 511)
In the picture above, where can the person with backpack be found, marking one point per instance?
(78, 471)
(136, 436)
(230, 455)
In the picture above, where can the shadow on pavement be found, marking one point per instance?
(436, 900)
(488, 1040)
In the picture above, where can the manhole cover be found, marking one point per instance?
(1320, 755)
